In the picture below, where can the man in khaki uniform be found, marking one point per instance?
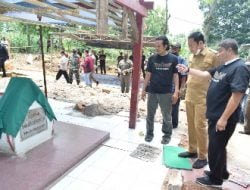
(202, 59)
(125, 69)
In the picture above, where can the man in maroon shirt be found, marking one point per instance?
(88, 68)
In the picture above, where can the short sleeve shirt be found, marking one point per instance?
(124, 65)
(64, 63)
(226, 79)
(162, 69)
(197, 87)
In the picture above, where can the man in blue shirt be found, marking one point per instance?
(160, 76)
(229, 82)
(175, 49)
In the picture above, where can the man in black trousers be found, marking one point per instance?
(4, 55)
(229, 82)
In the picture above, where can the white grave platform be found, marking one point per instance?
(36, 129)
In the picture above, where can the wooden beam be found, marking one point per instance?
(119, 7)
(12, 6)
(91, 5)
(134, 6)
(114, 14)
(124, 34)
(134, 28)
(8, 18)
(137, 58)
(67, 4)
(46, 7)
(102, 16)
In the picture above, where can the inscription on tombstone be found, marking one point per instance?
(34, 123)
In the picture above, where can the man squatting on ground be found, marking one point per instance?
(229, 81)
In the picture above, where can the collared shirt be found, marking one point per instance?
(197, 87)
(231, 61)
(226, 79)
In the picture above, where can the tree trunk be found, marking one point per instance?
(167, 17)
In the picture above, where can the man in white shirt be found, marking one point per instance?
(63, 67)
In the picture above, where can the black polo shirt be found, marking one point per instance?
(226, 79)
(162, 69)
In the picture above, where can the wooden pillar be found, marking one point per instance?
(124, 34)
(137, 57)
(42, 52)
(102, 16)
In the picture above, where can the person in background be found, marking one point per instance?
(125, 67)
(143, 65)
(48, 44)
(94, 57)
(160, 76)
(143, 59)
(4, 55)
(88, 68)
(246, 127)
(131, 57)
(74, 66)
(5, 42)
(175, 49)
(246, 107)
(63, 67)
(229, 82)
(203, 59)
(102, 60)
(119, 58)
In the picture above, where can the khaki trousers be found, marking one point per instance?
(197, 129)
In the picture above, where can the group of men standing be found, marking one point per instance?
(216, 83)
(76, 63)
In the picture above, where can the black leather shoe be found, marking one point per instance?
(165, 141)
(225, 175)
(199, 163)
(149, 138)
(187, 155)
(206, 181)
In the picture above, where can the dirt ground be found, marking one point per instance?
(107, 94)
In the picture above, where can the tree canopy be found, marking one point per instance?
(156, 23)
(226, 19)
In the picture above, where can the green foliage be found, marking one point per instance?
(182, 39)
(156, 22)
(226, 19)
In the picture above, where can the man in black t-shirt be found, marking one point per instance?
(229, 82)
(143, 65)
(161, 73)
(102, 58)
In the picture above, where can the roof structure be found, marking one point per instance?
(103, 41)
(73, 16)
